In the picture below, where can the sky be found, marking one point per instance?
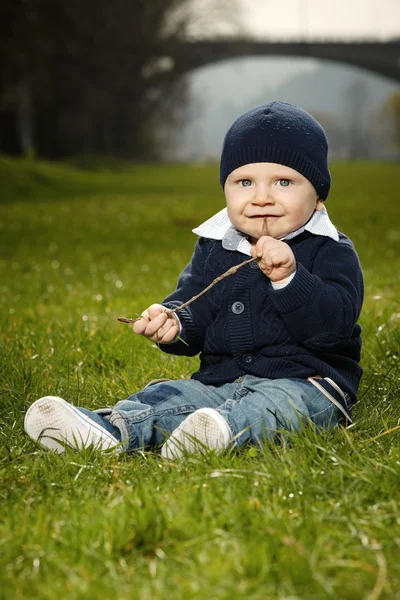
(377, 19)
(220, 91)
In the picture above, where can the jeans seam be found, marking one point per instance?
(175, 410)
(321, 412)
(125, 424)
(121, 423)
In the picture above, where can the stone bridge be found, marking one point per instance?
(382, 58)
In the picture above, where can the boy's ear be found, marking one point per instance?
(319, 205)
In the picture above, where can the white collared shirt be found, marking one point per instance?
(219, 227)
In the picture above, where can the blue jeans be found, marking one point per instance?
(254, 409)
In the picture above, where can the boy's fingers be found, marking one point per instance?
(139, 326)
(256, 251)
(270, 250)
(170, 335)
(170, 322)
(168, 331)
(155, 324)
(155, 310)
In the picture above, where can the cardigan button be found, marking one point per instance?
(237, 308)
(254, 265)
(248, 359)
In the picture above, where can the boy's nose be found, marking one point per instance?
(263, 197)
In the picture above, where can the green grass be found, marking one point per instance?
(317, 518)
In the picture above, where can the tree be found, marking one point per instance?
(19, 49)
(336, 132)
(88, 76)
(393, 109)
(386, 124)
(356, 102)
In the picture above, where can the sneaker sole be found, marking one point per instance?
(55, 424)
(201, 431)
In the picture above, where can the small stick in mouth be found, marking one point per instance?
(264, 228)
(230, 271)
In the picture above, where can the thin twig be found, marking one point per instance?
(171, 311)
(231, 271)
(381, 577)
(384, 433)
(128, 319)
(264, 229)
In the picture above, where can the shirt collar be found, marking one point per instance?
(219, 227)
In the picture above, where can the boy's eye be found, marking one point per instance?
(245, 182)
(284, 182)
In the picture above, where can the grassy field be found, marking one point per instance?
(318, 518)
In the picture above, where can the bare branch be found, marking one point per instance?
(227, 273)
(171, 311)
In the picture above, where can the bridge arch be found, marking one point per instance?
(382, 58)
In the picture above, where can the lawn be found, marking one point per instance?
(316, 517)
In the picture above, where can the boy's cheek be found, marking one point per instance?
(230, 212)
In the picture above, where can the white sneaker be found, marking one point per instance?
(55, 424)
(203, 430)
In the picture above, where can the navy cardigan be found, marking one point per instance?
(243, 326)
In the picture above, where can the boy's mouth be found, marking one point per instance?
(263, 216)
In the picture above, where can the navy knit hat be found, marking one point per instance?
(280, 133)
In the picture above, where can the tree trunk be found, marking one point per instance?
(10, 142)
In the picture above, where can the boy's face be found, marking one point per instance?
(278, 194)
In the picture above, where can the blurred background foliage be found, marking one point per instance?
(90, 76)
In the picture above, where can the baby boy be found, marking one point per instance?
(279, 341)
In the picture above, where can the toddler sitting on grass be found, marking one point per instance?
(279, 340)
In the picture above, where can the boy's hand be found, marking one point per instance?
(275, 258)
(157, 325)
